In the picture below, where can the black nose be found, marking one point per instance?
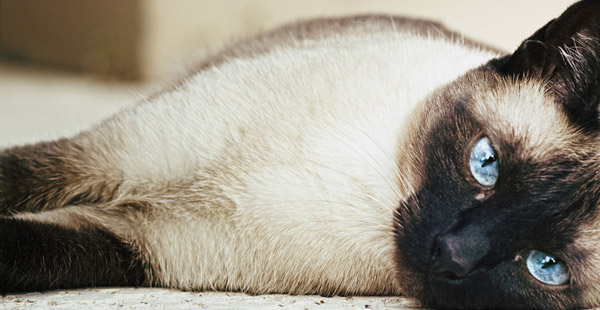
(455, 255)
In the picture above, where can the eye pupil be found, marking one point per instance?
(548, 262)
(490, 159)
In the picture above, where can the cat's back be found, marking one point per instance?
(305, 79)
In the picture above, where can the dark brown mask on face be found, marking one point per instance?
(509, 164)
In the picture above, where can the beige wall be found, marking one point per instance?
(101, 36)
(178, 27)
(171, 30)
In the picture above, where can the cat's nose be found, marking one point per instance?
(455, 255)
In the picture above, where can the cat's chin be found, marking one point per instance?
(440, 293)
(413, 283)
(477, 290)
(451, 293)
(499, 288)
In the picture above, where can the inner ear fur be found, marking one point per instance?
(564, 54)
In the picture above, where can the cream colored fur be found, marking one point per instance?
(542, 128)
(272, 173)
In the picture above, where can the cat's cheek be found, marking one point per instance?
(411, 264)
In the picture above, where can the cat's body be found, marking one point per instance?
(323, 158)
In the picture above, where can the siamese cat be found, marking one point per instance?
(368, 155)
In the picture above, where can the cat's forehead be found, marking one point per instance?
(521, 111)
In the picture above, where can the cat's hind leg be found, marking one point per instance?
(49, 175)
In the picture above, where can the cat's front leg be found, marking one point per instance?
(46, 251)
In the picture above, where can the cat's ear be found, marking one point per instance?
(565, 53)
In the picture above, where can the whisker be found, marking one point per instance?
(377, 167)
(402, 180)
(399, 175)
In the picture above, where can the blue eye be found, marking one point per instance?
(547, 268)
(484, 162)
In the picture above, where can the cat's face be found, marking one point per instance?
(507, 179)
(503, 196)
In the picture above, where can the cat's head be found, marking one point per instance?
(506, 167)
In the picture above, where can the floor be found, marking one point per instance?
(153, 298)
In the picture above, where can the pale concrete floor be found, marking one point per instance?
(153, 298)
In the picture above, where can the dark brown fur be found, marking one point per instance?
(540, 201)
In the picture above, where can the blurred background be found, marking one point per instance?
(65, 64)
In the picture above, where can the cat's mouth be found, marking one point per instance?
(464, 263)
(450, 264)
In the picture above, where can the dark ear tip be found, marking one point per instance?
(543, 49)
(531, 53)
(565, 54)
(532, 47)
